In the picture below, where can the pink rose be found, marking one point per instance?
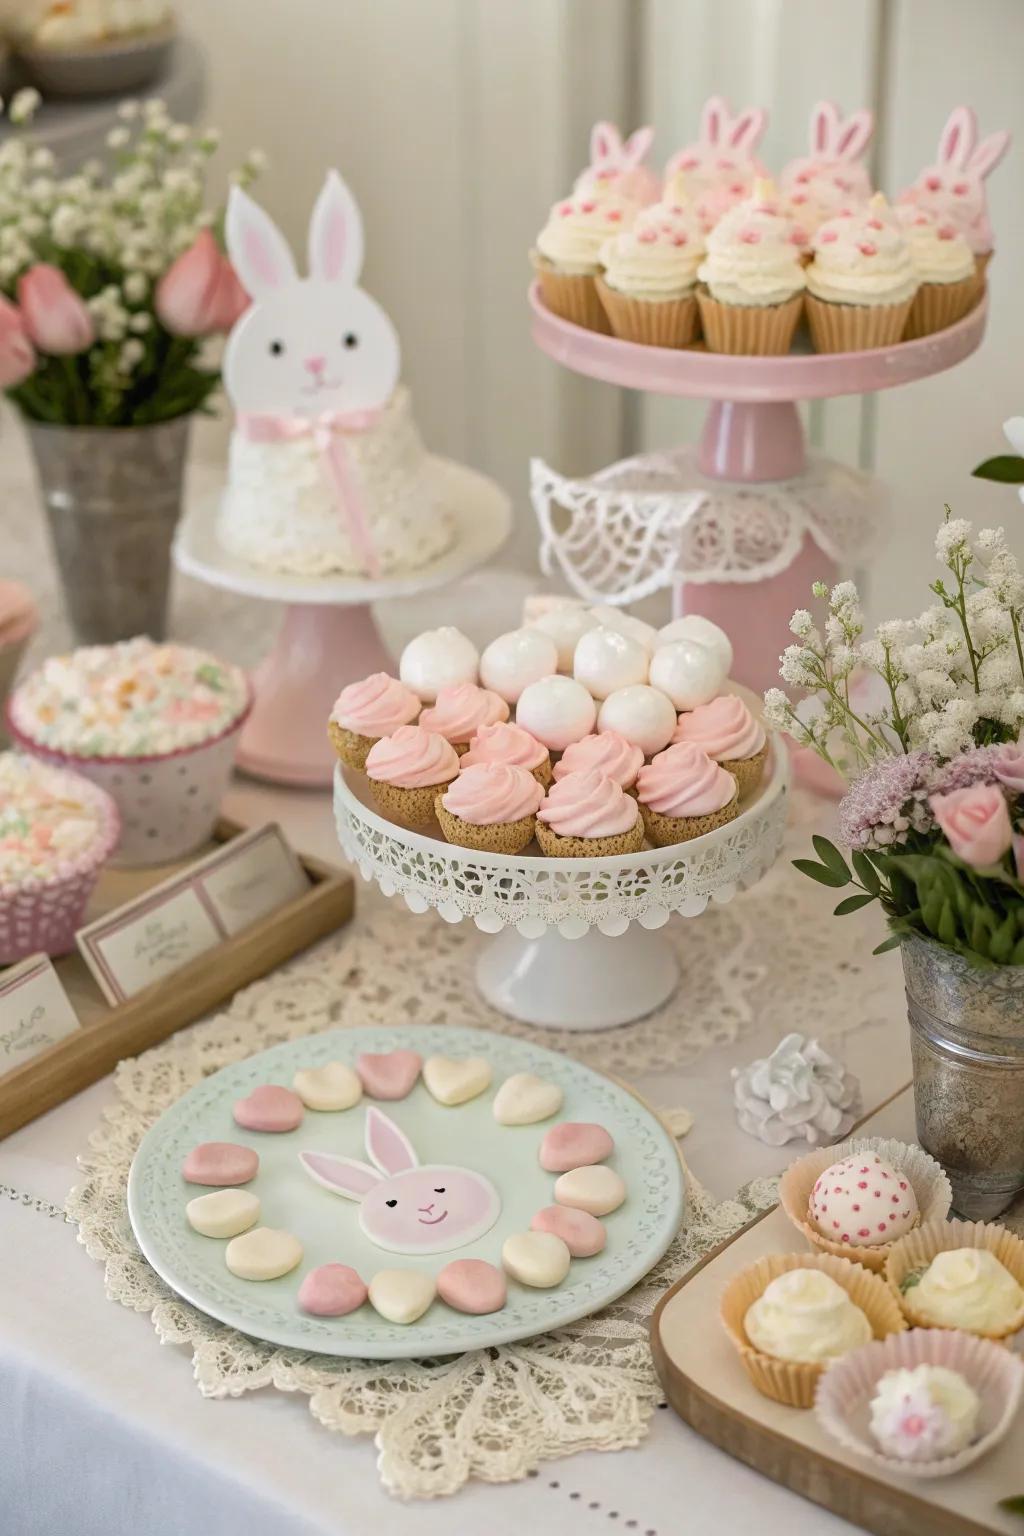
(1008, 766)
(200, 293)
(17, 354)
(976, 823)
(55, 317)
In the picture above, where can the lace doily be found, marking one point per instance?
(646, 522)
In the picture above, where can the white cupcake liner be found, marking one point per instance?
(927, 1179)
(845, 1390)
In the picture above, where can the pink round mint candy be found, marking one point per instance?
(391, 1075)
(270, 1108)
(581, 1233)
(574, 1144)
(331, 1290)
(222, 1163)
(472, 1285)
(863, 1201)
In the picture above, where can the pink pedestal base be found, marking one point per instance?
(318, 650)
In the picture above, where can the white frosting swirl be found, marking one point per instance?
(656, 259)
(862, 258)
(923, 1413)
(754, 253)
(579, 226)
(968, 1288)
(939, 253)
(804, 1315)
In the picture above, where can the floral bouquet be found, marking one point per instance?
(924, 721)
(111, 278)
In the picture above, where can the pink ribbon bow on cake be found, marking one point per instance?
(328, 431)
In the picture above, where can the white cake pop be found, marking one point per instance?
(436, 659)
(614, 618)
(565, 625)
(606, 659)
(690, 673)
(558, 711)
(515, 659)
(643, 715)
(694, 626)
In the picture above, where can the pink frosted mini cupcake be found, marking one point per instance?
(461, 711)
(365, 711)
(683, 793)
(490, 806)
(513, 745)
(586, 816)
(408, 770)
(727, 731)
(606, 753)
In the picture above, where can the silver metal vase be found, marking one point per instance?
(113, 499)
(967, 1042)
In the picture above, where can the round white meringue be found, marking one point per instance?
(516, 659)
(605, 660)
(694, 626)
(558, 711)
(565, 625)
(690, 673)
(643, 715)
(436, 659)
(614, 618)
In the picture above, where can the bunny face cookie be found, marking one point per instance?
(314, 345)
(405, 1207)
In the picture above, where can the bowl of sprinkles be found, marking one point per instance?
(155, 725)
(57, 829)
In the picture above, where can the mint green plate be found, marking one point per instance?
(639, 1232)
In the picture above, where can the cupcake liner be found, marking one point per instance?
(557, 847)
(351, 746)
(917, 1249)
(793, 1382)
(498, 837)
(571, 295)
(747, 771)
(652, 322)
(752, 330)
(663, 831)
(855, 327)
(410, 807)
(981, 263)
(928, 1181)
(542, 773)
(938, 305)
(847, 1387)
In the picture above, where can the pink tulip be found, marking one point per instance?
(199, 293)
(1018, 854)
(230, 300)
(1008, 766)
(976, 823)
(55, 317)
(17, 354)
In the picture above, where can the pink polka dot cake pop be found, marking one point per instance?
(863, 1201)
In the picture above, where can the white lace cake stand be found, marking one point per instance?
(329, 636)
(576, 941)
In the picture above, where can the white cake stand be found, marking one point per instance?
(618, 966)
(329, 636)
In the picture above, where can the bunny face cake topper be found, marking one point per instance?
(619, 166)
(314, 345)
(405, 1207)
(954, 186)
(723, 153)
(837, 145)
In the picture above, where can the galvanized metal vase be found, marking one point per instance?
(113, 499)
(967, 1042)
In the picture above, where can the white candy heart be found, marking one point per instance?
(401, 1295)
(454, 1081)
(263, 1254)
(597, 1190)
(223, 1213)
(539, 1259)
(523, 1099)
(330, 1087)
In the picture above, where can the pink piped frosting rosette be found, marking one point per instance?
(407, 770)
(57, 829)
(461, 711)
(684, 793)
(367, 710)
(588, 814)
(511, 744)
(607, 753)
(726, 730)
(491, 806)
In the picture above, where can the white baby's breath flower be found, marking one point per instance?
(801, 623)
(24, 105)
(117, 138)
(991, 540)
(952, 539)
(141, 322)
(136, 287)
(130, 355)
(128, 111)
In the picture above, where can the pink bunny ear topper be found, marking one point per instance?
(609, 153)
(389, 1148)
(721, 130)
(835, 138)
(959, 149)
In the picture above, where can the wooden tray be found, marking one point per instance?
(109, 1034)
(706, 1384)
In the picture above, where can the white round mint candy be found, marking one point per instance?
(558, 711)
(642, 714)
(606, 660)
(565, 626)
(694, 626)
(690, 673)
(635, 629)
(436, 659)
(514, 660)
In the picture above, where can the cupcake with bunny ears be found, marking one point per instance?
(752, 281)
(861, 282)
(719, 166)
(944, 263)
(952, 188)
(648, 285)
(567, 254)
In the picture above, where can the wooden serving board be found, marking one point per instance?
(706, 1384)
(109, 1034)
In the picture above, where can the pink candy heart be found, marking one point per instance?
(574, 1144)
(331, 1290)
(220, 1162)
(581, 1233)
(390, 1076)
(472, 1285)
(269, 1108)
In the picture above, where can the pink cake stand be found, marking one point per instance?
(752, 434)
(329, 636)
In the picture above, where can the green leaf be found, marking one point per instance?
(830, 856)
(852, 904)
(890, 943)
(821, 874)
(1001, 944)
(866, 873)
(1007, 468)
(909, 1281)
(1014, 1505)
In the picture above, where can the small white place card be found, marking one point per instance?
(195, 910)
(35, 1011)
